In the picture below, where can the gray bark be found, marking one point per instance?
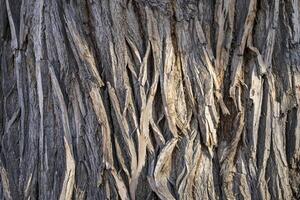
(150, 99)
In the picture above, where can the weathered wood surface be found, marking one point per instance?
(150, 99)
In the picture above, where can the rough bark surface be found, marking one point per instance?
(150, 99)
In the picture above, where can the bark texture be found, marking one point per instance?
(150, 99)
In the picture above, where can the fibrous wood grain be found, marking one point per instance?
(150, 99)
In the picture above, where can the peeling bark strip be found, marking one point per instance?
(160, 99)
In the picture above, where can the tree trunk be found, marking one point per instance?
(150, 99)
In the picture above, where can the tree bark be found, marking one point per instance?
(150, 99)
